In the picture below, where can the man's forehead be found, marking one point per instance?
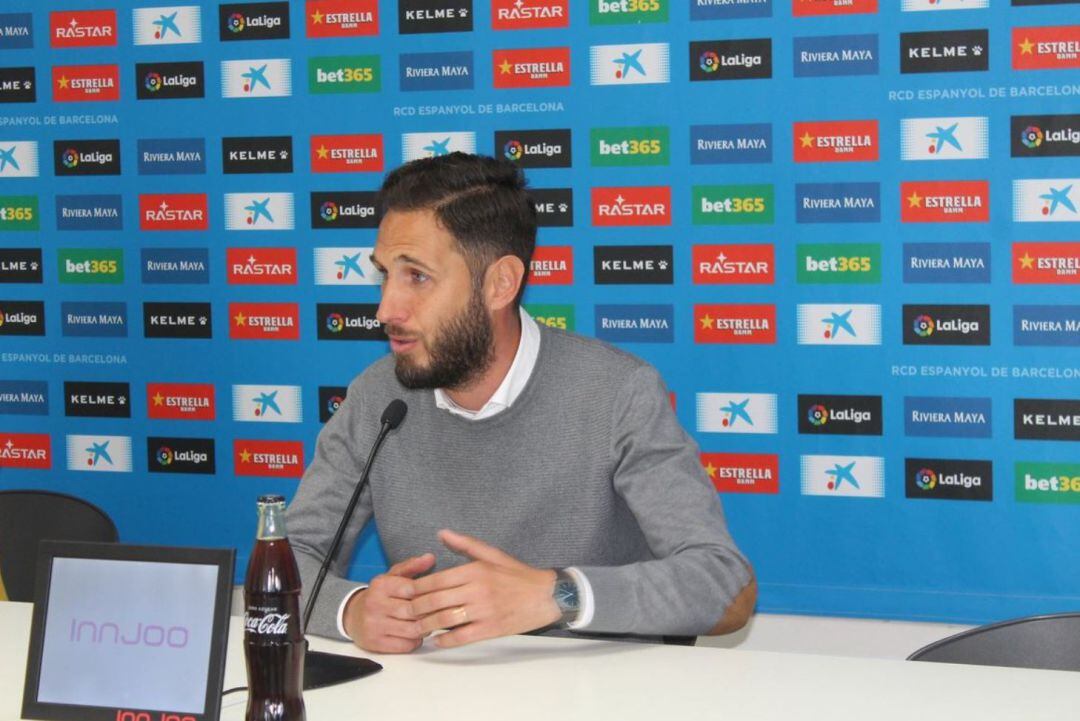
(413, 236)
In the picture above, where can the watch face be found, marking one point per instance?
(566, 595)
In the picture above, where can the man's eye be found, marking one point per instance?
(418, 277)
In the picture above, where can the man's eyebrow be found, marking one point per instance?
(408, 259)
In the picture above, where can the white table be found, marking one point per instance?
(524, 677)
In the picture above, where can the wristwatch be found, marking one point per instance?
(567, 598)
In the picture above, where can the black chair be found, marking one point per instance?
(28, 517)
(1044, 642)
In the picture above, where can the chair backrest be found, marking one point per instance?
(1046, 642)
(28, 517)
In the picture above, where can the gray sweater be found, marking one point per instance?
(588, 468)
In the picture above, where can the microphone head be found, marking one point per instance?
(394, 413)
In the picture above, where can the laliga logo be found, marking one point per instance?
(71, 158)
(513, 150)
(926, 479)
(924, 326)
(335, 323)
(818, 415)
(165, 455)
(329, 211)
(236, 23)
(1032, 137)
(153, 82)
(334, 403)
(710, 61)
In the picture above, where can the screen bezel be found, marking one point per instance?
(224, 559)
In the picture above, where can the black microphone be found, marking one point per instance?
(324, 669)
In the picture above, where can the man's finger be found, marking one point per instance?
(475, 549)
(429, 603)
(450, 578)
(394, 608)
(393, 644)
(409, 630)
(394, 587)
(445, 619)
(469, 633)
(412, 567)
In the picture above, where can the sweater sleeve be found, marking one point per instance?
(317, 508)
(697, 570)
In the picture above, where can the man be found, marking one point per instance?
(540, 480)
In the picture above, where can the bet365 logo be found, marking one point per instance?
(733, 204)
(618, 12)
(612, 147)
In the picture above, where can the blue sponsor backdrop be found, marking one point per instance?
(884, 556)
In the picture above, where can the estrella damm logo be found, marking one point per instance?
(838, 263)
(344, 74)
(613, 147)
(1057, 263)
(1046, 48)
(19, 212)
(624, 12)
(733, 204)
(341, 18)
(837, 140)
(90, 265)
(553, 316)
(1052, 482)
(809, 8)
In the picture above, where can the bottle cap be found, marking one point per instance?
(271, 499)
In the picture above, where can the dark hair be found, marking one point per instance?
(481, 201)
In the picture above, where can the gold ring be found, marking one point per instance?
(460, 610)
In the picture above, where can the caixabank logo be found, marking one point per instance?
(16, 31)
(554, 206)
(169, 81)
(90, 265)
(344, 74)
(946, 262)
(99, 454)
(24, 398)
(89, 212)
(361, 153)
(735, 323)
(641, 64)
(633, 264)
(18, 159)
(838, 324)
(18, 85)
(531, 68)
(1042, 136)
(175, 266)
(348, 321)
(171, 25)
(436, 71)
(267, 404)
(835, 141)
(619, 147)
(330, 400)
(844, 263)
(945, 201)
(177, 320)
(836, 55)
(734, 264)
(848, 476)
(749, 59)
(945, 51)
(837, 202)
(948, 479)
(839, 415)
(173, 211)
(180, 455)
(93, 319)
(20, 265)
(25, 450)
(951, 138)
(415, 146)
(736, 413)
(1046, 419)
(724, 10)
(535, 148)
(258, 78)
(1046, 48)
(264, 321)
(253, 21)
(912, 6)
(733, 204)
(97, 399)
(939, 417)
(946, 324)
(272, 459)
(1053, 263)
(743, 472)
(180, 401)
(267, 154)
(22, 317)
(635, 323)
(1042, 482)
(817, 8)
(86, 157)
(552, 315)
(171, 156)
(434, 16)
(82, 28)
(344, 209)
(631, 206)
(259, 211)
(552, 265)
(731, 144)
(1046, 325)
(529, 14)
(19, 212)
(625, 12)
(1046, 200)
(341, 18)
(260, 266)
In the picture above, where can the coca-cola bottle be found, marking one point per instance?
(273, 640)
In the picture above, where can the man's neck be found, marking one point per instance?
(507, 336)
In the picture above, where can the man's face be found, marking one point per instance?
(438, 324)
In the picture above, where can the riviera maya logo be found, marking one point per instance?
(925, 479)
(513, 150)
(153, 82)
(335, 323)
(236, 23)
(923, 325)
(709, 61)
(70, 158)
(328, 211)
(818, 415)
(164, 456)
(1032, 137)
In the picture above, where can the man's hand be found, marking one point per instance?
(381, 618)
(495, 595)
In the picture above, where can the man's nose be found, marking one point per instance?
(391, 305)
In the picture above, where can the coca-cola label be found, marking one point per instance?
(261, 622)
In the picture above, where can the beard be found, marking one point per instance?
(461, 351)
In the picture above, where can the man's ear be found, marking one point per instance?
(503, 279)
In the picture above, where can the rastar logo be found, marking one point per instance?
(82, 28)
(838, 263)
(733, 204)
(341, 18)
(177, 25)
(347, 153)
(1046, 48)
(552, 265)
(531, 68)
(78, 83)
(1049, 200)
(736, 413)
(836, 141)
(529, 14)
(945, 201)
(848, 324)
(267, 404)
(750, 264)
(854, 476)
(641, 64)
(25, 450)
(264, 321)
(259, 211)
(1054, 482)
(735, 323)
(176, 211)
(631, 206)
(963, 138)
(810, 8)
(743, 472)
(273, 459)
(1055, 263)
(180, 401)
(261, 266)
